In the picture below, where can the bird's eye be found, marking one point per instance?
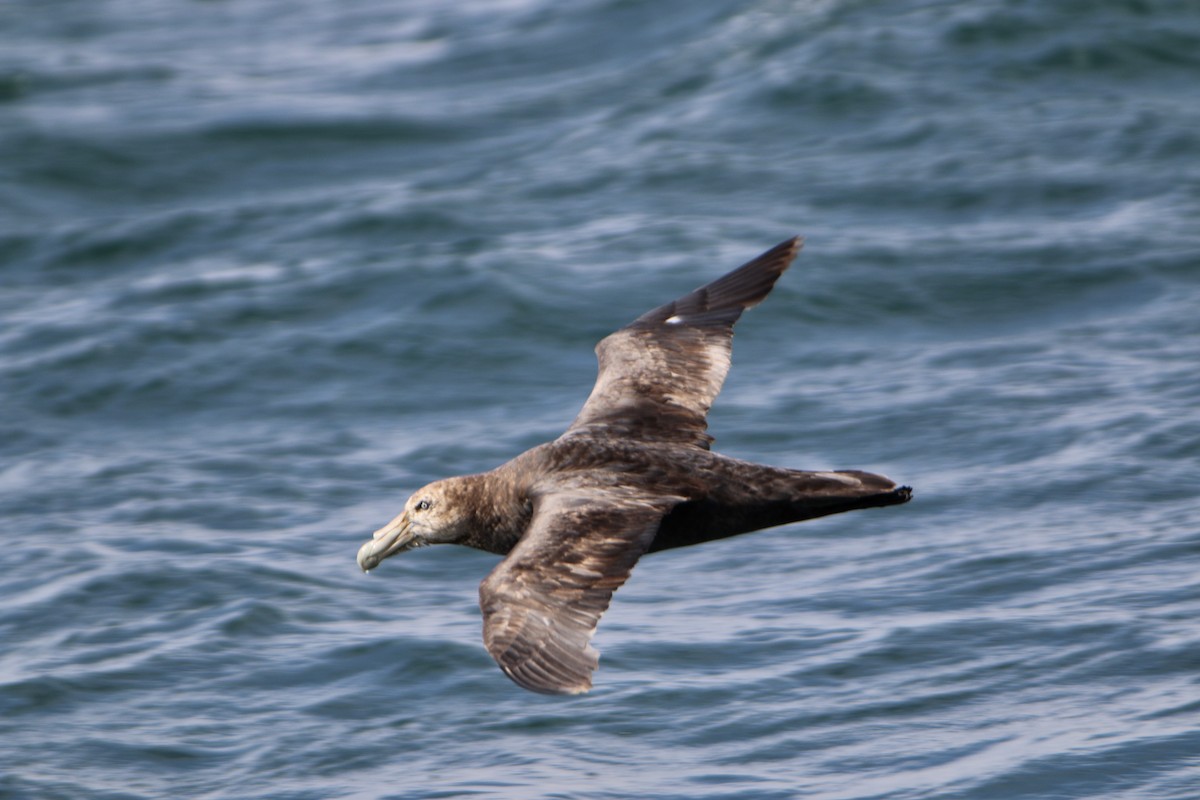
(423, 505)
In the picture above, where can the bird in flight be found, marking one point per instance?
(633, 474)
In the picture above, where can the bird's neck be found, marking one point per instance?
(501, 510)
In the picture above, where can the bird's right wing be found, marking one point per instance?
(542, 603)
(660, 374)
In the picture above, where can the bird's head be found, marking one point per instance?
(433, 515)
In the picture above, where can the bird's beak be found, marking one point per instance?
(395, 537)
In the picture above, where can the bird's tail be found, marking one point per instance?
(756, 497)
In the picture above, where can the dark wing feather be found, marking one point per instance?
(660, 374)
(542, 603)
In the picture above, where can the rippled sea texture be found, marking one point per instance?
(267, 267)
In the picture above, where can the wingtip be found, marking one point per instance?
(792, 246)
(785, 250)
(539, 684)
(782, 255)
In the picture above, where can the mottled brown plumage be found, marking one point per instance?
(633, 474)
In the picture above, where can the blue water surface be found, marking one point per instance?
(267, 267)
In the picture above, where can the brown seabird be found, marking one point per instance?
(632, 475)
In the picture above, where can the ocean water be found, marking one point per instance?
(267, 267)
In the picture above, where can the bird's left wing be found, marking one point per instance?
(660, 373)
(542, 603)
